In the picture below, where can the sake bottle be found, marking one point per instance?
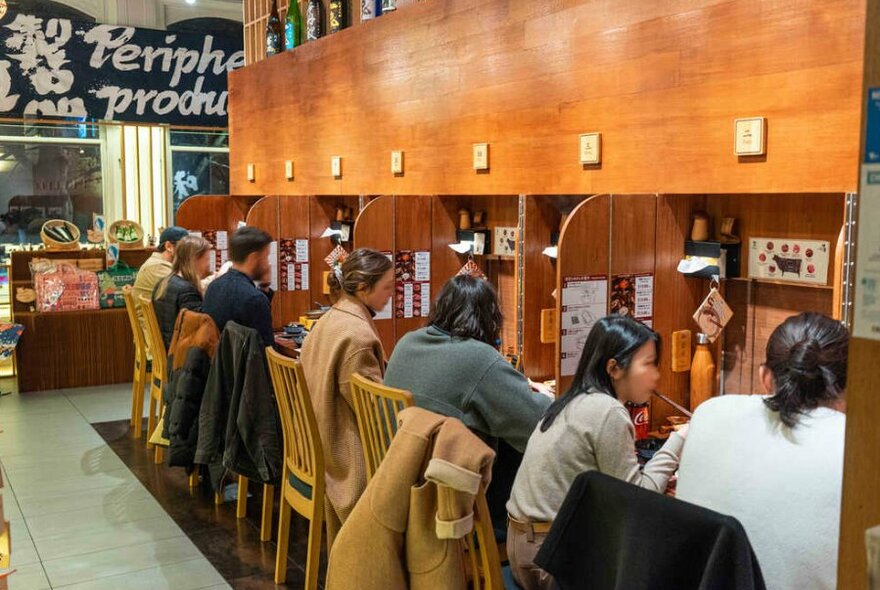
(273, 32)
(338, 15)
(293, 27)
(314, 20)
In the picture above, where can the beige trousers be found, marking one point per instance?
(521, 553)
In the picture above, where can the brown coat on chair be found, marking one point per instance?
(405, 531)
(344, 341)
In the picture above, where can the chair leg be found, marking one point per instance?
(283, 539)
(134, 395)
(241, 505)
(194, 479)
(268, 505)
(158, 454)
(151, 419)
(313, 557)
(218, 498)
(146, 377)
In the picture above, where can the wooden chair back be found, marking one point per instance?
(482, 549)
(153, 337)
(140, 343)
(303, 453)
(376, 407)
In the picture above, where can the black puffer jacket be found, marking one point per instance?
(239, 426)
(189, 360)
(180, 294)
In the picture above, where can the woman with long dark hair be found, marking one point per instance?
(587, 429)
(775, 462)
(453, 367)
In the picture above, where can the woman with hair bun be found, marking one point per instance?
(775, 462)
(345, 341)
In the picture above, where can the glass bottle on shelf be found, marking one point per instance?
(370, 9)
(389, 6)
(274, 43)
(314, 20)
(293, 26)
(338, 15)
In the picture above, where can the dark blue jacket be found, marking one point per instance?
(233, 297)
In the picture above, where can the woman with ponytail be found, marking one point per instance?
(775, 462)
(345, 341)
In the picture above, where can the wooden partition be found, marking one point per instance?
(374, 229)
(291, 218)
(214, 212)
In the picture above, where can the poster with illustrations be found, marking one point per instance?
(584, 302)
(412, 273)
(293, 260)
(633, 295)
(793, 260)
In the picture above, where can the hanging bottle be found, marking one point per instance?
(702, 373)
(338, 15)
(314, 20)
(293, 26)
(273, 32)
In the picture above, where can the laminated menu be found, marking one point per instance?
(412, 273)
(293, 259)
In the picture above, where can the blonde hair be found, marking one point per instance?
(186, 252)
(361, 268)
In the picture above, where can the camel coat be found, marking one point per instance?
(344, 341)
(406, 530)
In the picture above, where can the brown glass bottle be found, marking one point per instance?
(338, 15)
(274, 34)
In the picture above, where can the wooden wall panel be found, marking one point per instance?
(583, 250)
(322, 210)
(676, 297)
(662, 81)
(542, 216)
(412, 231)
(861, 500)
(375, 229)
(294, 222)
(214, 212)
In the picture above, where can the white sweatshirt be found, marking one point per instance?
(782, 484)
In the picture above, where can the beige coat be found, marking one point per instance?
(405, 531)
(343, 342)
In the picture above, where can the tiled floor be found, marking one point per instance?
(80, 518)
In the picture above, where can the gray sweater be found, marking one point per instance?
(468, 380)
(593, 432)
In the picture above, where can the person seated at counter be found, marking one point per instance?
(158, 265)
(233, 296)
(776, 462)
(588, 428)
(182, 288)
(342, 342)
(453, 367)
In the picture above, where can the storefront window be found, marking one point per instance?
(199, 164)
(51, 172)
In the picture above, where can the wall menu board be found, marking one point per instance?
(584, 302)
(412, 272)
(785, 259)
(293, 263)
(633, 295)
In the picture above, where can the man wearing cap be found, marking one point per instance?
(157, 266)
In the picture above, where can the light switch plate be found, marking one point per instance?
(590, 152)
(250, 173)
(397, 162)
(336, 166)
(750, 136)
(288, 169)
(481, 156)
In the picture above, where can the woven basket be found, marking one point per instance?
(130, 245)
(55, 244)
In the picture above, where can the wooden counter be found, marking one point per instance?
(74, 348)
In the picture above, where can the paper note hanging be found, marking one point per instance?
(337, 254)
(713, 315)
(472, 269)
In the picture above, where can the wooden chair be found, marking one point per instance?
(376, 407)
(268, 504)
(302, 483)
(156, 346)
(482, 549)
(142, 371)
